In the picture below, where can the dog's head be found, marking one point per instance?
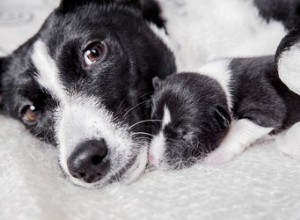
(82, 83)
(190, 118)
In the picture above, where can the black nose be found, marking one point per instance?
(89, 161)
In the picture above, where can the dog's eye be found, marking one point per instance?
(95, 52)
(30, 114)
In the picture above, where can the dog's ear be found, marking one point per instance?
(156, 82)
(67, 5)
(222, 116)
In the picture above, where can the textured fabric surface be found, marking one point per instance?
(260, 184)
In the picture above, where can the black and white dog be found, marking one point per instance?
(83, 81)
(213, 115)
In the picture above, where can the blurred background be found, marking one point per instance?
(20, 19)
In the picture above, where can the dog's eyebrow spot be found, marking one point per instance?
(47, 71)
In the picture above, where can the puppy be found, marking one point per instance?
(219, 111)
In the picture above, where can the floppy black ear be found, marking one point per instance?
(156, 82)
(67, 5)
(223, 116)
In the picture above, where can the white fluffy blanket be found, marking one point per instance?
(260, 184)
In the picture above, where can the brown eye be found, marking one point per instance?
(94, 52)
(30, 115)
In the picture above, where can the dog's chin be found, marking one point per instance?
(126, 174)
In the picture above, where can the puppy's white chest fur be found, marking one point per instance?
(203, 30)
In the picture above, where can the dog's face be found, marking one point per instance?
(82, 83)
(190, 119)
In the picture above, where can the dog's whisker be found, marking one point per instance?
(134, 107)
(142, 133)
(144, 121)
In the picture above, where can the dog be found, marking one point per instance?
(83, 82)
(213, 115)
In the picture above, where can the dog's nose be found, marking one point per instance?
(89, 162)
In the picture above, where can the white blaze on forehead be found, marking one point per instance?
(219, 70)
(167, 117)
(289, 68)
(47, 71)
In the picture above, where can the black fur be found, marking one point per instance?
(285, 11)
(69, 5)
(124, 79)
(3, 66)
(150, 8)
(152, 12)
(198, 107)
(200, 117)
(259, 94)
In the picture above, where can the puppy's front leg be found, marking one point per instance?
(241, 134)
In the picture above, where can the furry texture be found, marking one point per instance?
(255, 36)
(260, 184)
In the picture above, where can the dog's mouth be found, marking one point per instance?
(126, 173)
(96, 150)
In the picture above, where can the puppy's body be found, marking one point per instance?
(247, 89)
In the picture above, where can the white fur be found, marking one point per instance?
(84, 118)
(80, 118)
(167, 116)
(158, 143)
(211, 29)
(259, 184)
(219, 70)
(289, 144)
(157, 149)
(289, 68)
(241, 134)
(47, 72)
